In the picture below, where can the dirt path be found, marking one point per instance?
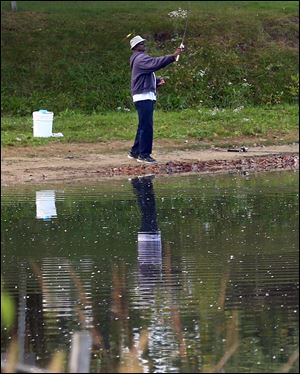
(80, 162)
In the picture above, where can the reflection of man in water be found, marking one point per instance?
(155, 289)
(149, 238)
(144, 190)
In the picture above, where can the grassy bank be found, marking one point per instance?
(201, 124)
(74, 55)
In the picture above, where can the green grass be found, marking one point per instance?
(74, 55)
(201, 124)
(97, 7)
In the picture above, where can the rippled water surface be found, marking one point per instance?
(172, 274)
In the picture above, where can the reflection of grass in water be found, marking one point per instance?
(56, 364)
(7, 308)
(130, 357)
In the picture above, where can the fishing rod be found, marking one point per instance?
(184, 33)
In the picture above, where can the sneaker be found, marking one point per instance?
(146, 160)
(132, 155)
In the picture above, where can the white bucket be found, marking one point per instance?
(42, 124)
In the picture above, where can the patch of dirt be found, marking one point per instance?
(56, 163)
(24, 21)
(284, 31)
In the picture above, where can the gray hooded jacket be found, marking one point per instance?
(142, 68)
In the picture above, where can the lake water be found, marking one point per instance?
(167, 274)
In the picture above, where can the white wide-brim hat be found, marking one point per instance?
(136, 40)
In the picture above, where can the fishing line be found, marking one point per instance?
(185, 29)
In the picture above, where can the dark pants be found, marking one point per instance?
(144, 136)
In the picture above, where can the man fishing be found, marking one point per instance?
(143, 89)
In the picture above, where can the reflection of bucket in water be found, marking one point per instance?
(45, 204)
(149, 248)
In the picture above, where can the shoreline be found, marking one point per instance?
(79, 163)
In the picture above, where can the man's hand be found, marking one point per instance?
(177, 52)
(161, 82)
